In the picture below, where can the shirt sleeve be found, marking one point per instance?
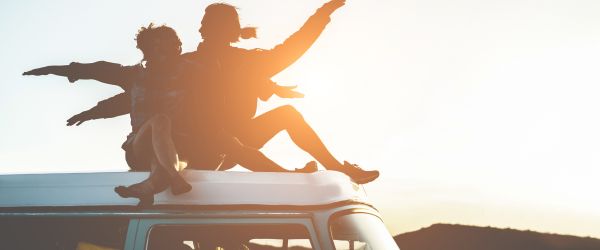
(112, 107)
(106, 72)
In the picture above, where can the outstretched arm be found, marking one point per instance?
(271, 62)
(106, 72)
(112, 107)
(59, 70)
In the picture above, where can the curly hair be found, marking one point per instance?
(148, 37)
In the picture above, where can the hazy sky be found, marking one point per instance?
(476, 111)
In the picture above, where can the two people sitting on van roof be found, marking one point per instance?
(200, 107)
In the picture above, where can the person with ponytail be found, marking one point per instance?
(245, 76)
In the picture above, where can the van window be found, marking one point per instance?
(58, 233)
(351, 231)
(229, 236)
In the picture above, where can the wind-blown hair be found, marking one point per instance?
(221, 22)
(148, 37)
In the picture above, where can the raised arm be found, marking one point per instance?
(112, 107)
(106, 72)
(271, 62)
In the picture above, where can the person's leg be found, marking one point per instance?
(264, 127)
(157, 132)
(156, 182)
(247, 157)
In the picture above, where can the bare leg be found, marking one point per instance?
(264, 127)
(155, 136)
(249, 157)
(157, 132)
(156, 182)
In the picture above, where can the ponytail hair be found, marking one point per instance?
(221, 22)
(248, 32)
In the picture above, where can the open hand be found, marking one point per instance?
(78, 119)
(287, 92)
(55, 70)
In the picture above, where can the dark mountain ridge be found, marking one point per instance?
(460, 237)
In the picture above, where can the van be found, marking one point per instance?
(225, 210)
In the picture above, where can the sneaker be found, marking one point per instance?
(310, 167)
(359, 175)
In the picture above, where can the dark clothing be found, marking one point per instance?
(248, 72)
(139, 160)
(106, 72)
(148, 93)
(111, 107)
(160, 92)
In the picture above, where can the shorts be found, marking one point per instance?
(137, 161)
(200, 151)
(206, 151)
(141, 161)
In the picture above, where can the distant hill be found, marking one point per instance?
(459, 237)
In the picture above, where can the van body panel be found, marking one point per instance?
(302, 205)
(131, 237)
(210, 188)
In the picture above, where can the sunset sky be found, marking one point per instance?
(476, 112)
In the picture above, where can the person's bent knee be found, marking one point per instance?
(289, 112)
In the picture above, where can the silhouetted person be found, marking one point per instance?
(244, 80)
(156, 88)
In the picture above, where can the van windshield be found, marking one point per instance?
(360, 231)
(229, 236)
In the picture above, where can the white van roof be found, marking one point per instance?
(209, 188)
